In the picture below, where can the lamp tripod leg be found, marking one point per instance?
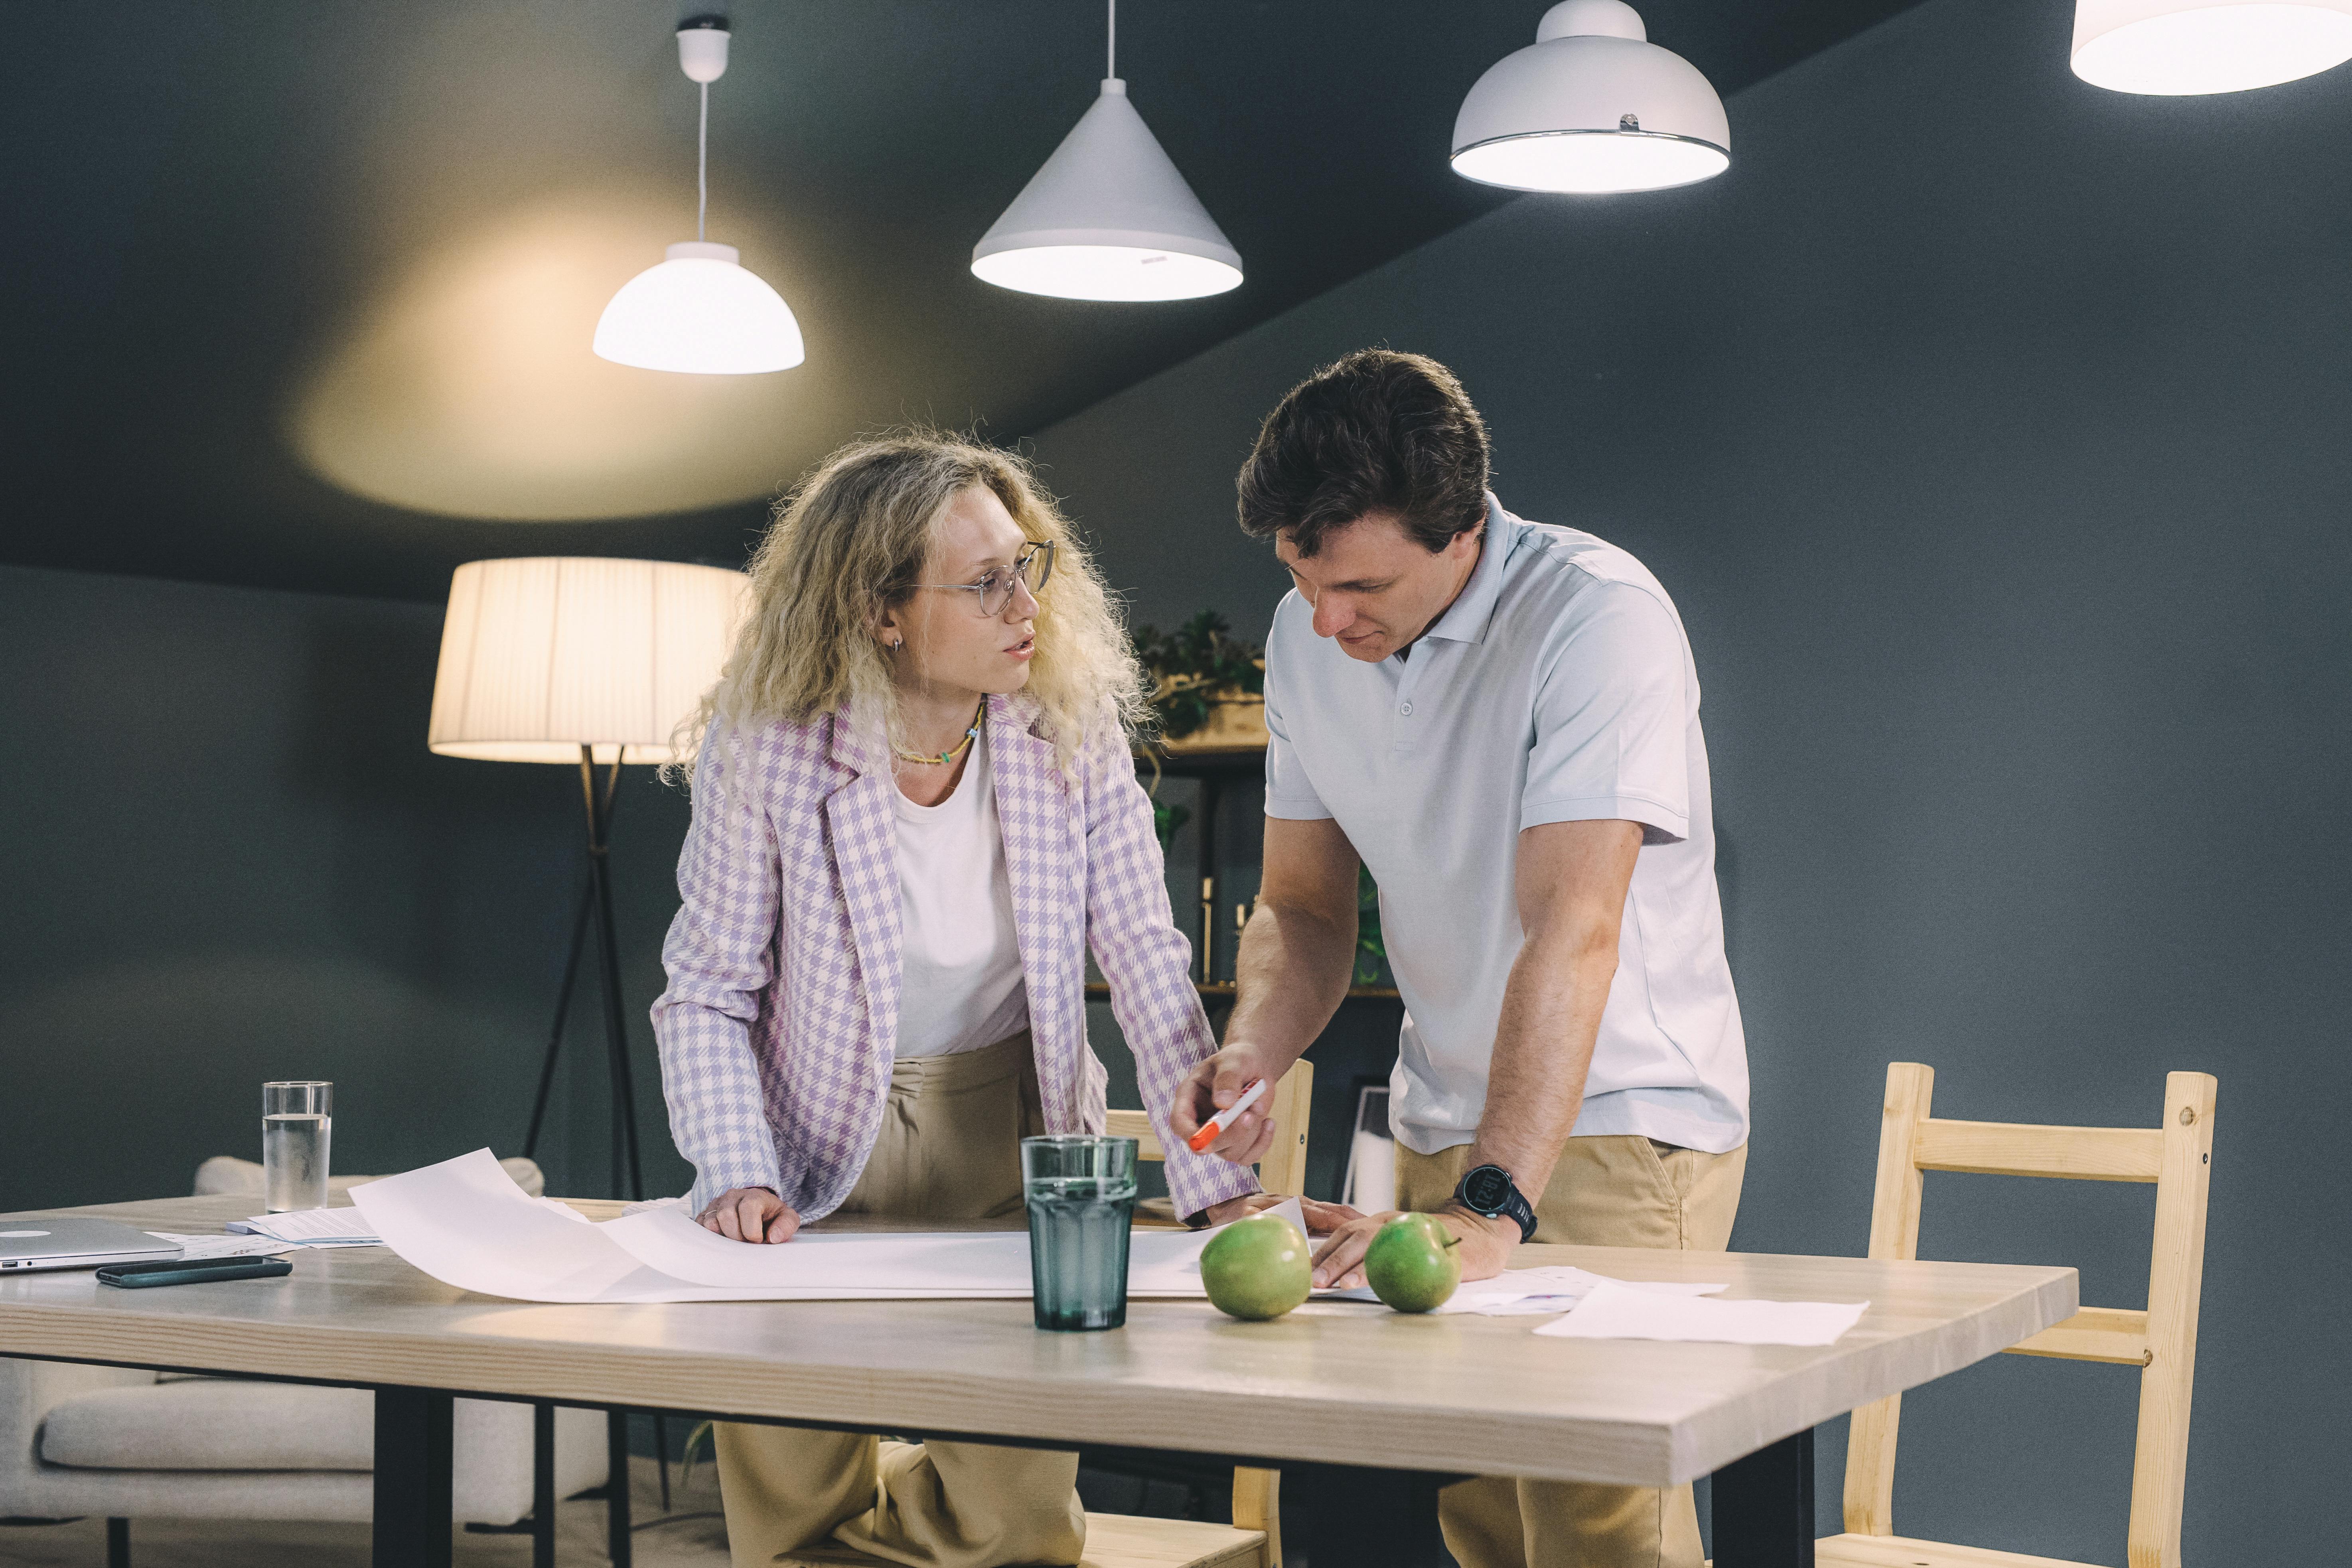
(617, 1038)
(562, 1012)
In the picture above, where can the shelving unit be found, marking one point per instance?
(1361, 1046)
(1212, 771)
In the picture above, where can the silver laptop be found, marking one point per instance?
(76, 1241)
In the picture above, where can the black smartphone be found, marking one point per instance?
(191, 1271)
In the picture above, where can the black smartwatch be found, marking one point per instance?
(1488, 1189)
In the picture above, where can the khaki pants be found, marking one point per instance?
(949, 1149)
(1605, 1191)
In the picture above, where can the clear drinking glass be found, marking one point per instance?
(296, 1121)
(1081, 1194)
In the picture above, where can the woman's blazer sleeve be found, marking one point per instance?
(1147, 961)
(720, 955)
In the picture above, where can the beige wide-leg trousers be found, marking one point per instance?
(949, 1149)
(1605, 1191)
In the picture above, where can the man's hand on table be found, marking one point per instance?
(1322, 1219)
(1486, 1250)
(750, 1213)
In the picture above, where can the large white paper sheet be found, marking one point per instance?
(1530, 1293)
(1615, 1312)
(466, 1224)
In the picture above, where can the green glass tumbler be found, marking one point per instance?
(1081, 1194)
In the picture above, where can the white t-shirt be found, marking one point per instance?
(1557, 687)
(962, 987)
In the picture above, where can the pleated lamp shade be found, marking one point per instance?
(543, 655)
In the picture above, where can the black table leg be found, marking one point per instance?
(1366, 1516)
(616, 1487)
(413, 1507)
(543, 1486)
(1764, 1507)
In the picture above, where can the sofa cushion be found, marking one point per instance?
(207, 1423)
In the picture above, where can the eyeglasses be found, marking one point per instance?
(1030, 568)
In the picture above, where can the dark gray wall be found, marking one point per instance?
(228, 857)
(1988, 429)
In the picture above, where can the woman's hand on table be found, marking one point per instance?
(750, 1213)
(1322, 1219)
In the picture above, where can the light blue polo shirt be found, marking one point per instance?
(1559, 687)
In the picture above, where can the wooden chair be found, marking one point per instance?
(1123, 1540)
(2162, 1342)
(1254, 1538)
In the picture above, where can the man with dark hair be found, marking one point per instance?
(1500, 718)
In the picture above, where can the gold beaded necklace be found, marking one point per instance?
(943, 758)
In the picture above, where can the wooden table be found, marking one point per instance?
(1375, 1408)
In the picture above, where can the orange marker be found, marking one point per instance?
(1223, 1119)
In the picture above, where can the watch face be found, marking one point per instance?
(1487, 1189)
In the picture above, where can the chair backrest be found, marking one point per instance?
(1257, 1494)
(2176, 1155)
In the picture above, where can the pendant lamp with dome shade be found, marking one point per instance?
(1107, 216)
(701, 311)
(2177, 48)
(1592, 107)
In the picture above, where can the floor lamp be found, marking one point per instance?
(586, 662)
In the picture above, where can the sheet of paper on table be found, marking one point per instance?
(193, 1247)
(1530, 1293)
(466, 1224)
(1611, 1311)
(313, 1227)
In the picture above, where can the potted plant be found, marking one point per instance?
(1208, 687)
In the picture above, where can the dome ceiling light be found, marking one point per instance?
(1107, 216)
(1592, 107)
(2181, 46)
(701, 311)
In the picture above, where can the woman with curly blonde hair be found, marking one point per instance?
(914, 811)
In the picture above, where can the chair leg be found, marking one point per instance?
(616, 1487)
(117, 1544)
(543, 1486)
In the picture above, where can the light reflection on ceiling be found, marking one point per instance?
(467, 388)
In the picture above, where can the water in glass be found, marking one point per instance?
(1078, 1251)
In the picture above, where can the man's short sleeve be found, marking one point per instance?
(1289, 795)
(1611, 720)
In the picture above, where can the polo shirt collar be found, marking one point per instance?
(1466, 619)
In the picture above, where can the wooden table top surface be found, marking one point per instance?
(1340, 1382)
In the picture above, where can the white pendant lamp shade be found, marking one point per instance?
(2181, 46)
(1592, 107)
(543, 655)
(1108, 217)
(700, 312)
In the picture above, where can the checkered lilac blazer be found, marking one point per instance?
(781, 1021)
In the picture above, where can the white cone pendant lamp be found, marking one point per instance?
(701, 311)
(1107, 216)
(1592, 107)
(2181, 46)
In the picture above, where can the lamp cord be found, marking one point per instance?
(702, 165)
(1110, 48)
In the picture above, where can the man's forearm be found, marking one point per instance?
(1543, 1049)
(1291, 973)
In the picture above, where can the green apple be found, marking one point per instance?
(1257, 1268)
(1411, 1263)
